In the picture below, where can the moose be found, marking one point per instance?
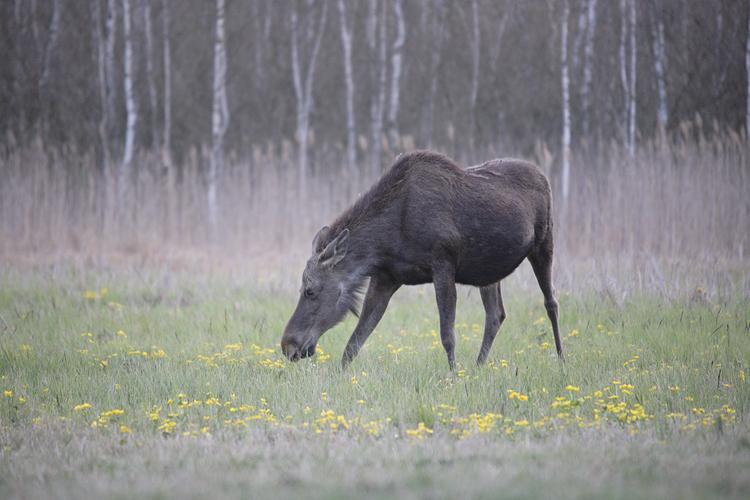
(427, 220)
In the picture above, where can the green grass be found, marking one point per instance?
(651, 401)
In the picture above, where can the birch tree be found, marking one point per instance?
(303, 82)
(747, 72)
(377, 42)
(436, 54)
(109, 64)
(49, 49)
(588, 61)
(351, 122)
(219, 114)
(662, 115)
(167, 56)
(474, 86)
(579, 36)
(565, 81)
(104, 118)
(395, 91)
(150, 76)
(131, 108)
(628, 39)
(631, 93)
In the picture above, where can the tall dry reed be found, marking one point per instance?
(685, 199)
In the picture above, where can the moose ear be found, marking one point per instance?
(317, 244)
(335, 250)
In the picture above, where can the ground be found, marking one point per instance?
(159, 384)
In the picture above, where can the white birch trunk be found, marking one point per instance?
(588, 61)
(434, 66)
(131, 108)
(580, 34)
(624, 71)
(662, 115)
(632, 92)
(219, 116)
(167, 134)
(49, 49)
(474, 86)
(747, 73)
(150, 77)
(351, 123)
(102, 77)
(303, 88)
(565, 80)
(378, 103)
(109, 64)
(103, 159)
(395, 92)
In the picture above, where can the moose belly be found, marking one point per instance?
(490, 257)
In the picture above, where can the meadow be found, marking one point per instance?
(139, 343)
(157, 382)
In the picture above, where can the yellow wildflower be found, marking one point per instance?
(420, 432)
(82, 407)
(572, 388)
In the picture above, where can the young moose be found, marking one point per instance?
(427, 220)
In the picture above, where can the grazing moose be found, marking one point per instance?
(427, 220)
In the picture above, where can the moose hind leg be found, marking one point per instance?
(445, 293)
(541, 263)
(494, 316)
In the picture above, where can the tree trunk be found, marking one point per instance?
(624, 71)
(747, 73)
(219, 116)
(49, 49)
(632, 93)
(150, 76)
(102, 77)
(303, 87)
(103, 158)
(438, 32)
(110, 73)
(565, 80)
(351, 123)
(662, 116)
(378, 103)
(588, 61)
(474, 86)
(395, 92)
(130, 103)
(167, 134)
(580, 34)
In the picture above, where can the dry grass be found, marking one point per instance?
(680, 201)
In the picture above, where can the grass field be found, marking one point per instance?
(152, 384)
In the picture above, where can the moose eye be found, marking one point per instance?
(309, 292)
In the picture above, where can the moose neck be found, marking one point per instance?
(361, 257)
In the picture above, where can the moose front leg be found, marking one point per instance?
(378, 294)
(444, 277)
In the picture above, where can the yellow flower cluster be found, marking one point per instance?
(517, 395)
(420, 432)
